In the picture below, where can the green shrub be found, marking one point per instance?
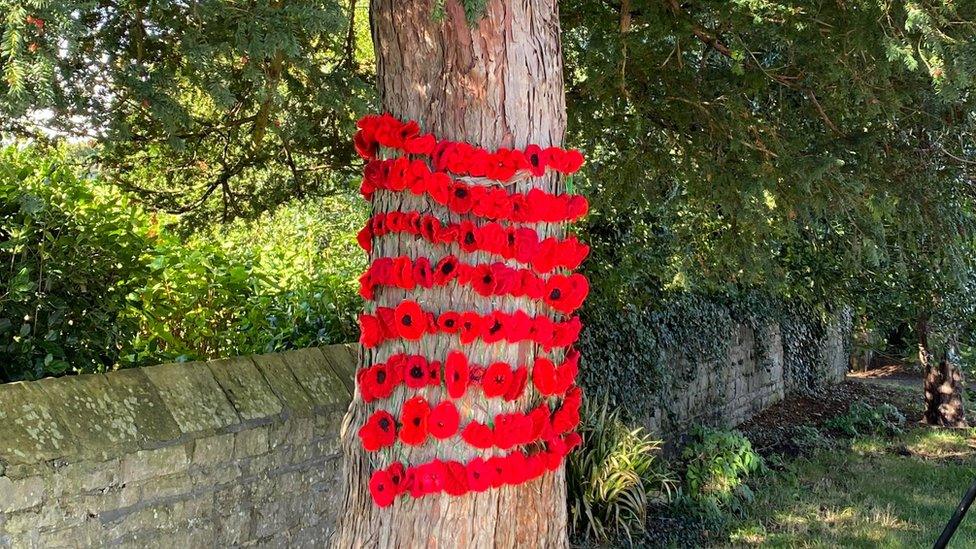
(614, 477)
(862, 419)
(717, 465)
(284, 281)
(70, 252)
(90, 282)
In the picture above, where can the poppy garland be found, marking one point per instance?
(460, 158)
(564, 293)
(535, 206)
(408, 321)
(501, 222)
(457, 375)
(519, 243)
(419, 420)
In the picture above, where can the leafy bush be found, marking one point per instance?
(614, 477)
(90, 282)
(717, 465)
(70, 252)
(283, 281)
(862, 419)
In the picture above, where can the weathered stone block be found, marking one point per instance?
(252, 442)
(246, 388)
(17, 495)
(146, 464)
(284, 384)
(31, 426)
(316, 376)
(214, 449)
(192, 396)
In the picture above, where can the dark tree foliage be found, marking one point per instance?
(770, 144)
(222, 109)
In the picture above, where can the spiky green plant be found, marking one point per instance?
(614, 477)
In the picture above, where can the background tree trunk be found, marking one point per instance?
(495, 83)
(943, 381)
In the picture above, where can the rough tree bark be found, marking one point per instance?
(943, 381)
(495, 83)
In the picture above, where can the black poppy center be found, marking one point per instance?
(447, 268)
(495, 327)
(461, 192)
(416, 422)
(469, 238)
(416, 372)
(449, 323)
(381, 376)
(407, 320)
(384, 424)
(534, 159)
(486, 279)
(555, 294)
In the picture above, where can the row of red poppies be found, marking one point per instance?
(564, 293)
(458, 157)
(519, 243)
(457, 479)
(408, 321)
(419, 420)
(400, 174)
(496, 380)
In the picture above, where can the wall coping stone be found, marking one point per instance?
(98, 417)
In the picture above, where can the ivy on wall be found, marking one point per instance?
(630, 353)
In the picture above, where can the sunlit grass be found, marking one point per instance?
(875, 492)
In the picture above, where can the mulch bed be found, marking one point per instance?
(774, 430)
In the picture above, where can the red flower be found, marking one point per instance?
(422, 144)
(478, 435)
(515, 388)
(497, 379)
(512, 429)
(423, 273)
(449, 322)
(566, 333)
(443, 421)
(365, 238)
(398, 477)
(483, 280)
(499, 468)
(493, 329)
(460, 198)
(471, 327)
(380, 380)
(446, 270)
(411, 322)
(480, 475)
(434, 372)
(378, 432)
(382, 489)
(370, 331)
(544, 376)
(533, 154)
(542, 331)
(566, 293)
(415, 374)
(413, 419)
(518, 326)
(428, 478)
(566, 374)
(456, 374)
(456, 478)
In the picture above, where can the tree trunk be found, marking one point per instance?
(495, 83)
(943, 381)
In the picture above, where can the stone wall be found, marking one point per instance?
(231, 452)
(749, 377)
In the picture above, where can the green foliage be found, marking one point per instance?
(69, 254)
(863, 419)
(614, 477)
(90, 282)
(283, 281)
(217, 109)
(717, 465)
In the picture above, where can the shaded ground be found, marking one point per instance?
(892, 375)
(785, 427)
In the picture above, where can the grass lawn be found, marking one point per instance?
(897, 491)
